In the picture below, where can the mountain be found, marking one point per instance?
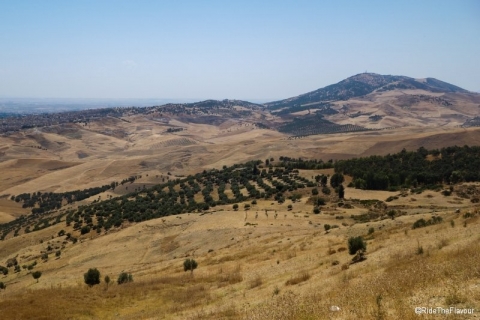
(363, 84)
(370, 101)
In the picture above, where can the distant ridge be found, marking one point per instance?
(361, 85)
(220, 103)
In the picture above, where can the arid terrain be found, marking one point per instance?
(263, 261)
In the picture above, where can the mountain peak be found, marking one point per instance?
(362, 84)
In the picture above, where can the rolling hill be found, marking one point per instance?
(371, 101)
(361, 85)
(239, 187)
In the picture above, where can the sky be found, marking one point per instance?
(249, 50)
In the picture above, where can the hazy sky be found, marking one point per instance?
(229, 49)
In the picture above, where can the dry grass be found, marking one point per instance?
(301, 277)
(389, 284)
(255, 282)
(441, 279)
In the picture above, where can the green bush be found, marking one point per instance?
(107, 280)
(355, 244)
(92, 277)
(189, 264)
(85, 230)
(124, 278)
(4, 270)
(36, 275)
(3, 286)
(420, 223)
(326, 190)
(336, 180)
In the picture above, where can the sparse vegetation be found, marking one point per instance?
(421, 223)
(124, 277)
(301, 277)
(152, 225)
(355, 244)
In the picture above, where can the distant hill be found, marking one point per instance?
(360, 85)
(370, 101)
(223, 104)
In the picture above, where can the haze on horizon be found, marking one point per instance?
(216, 50)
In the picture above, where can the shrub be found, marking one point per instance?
(326, 190)
(420, 223)
(301, 277)
(276, 291)
(85, 230)
(355, 244)
(336, 180)
(341, 192)
(391, 214)
(92, 277)
(371, 230)
(124, 278)
(4, 270)
(107, 280)
(36, 275)
(3, 286)
(189, 264)
(326, 227)
(314, 191)
(304, 276)
(320, 202)
(316, 210)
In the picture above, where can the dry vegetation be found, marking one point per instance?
(267, 271)
(248, 268)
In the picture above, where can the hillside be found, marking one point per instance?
(361, 85)
(142, 189)
(276, 259)
(371, 101)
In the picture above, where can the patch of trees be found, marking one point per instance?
(426, 168)
(246, 182)
(311, 125)
(421, 223)
(48, 201)
(124, 278)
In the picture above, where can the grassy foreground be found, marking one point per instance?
(435, 266)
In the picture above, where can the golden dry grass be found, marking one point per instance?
(268, 273)
(253, 268)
